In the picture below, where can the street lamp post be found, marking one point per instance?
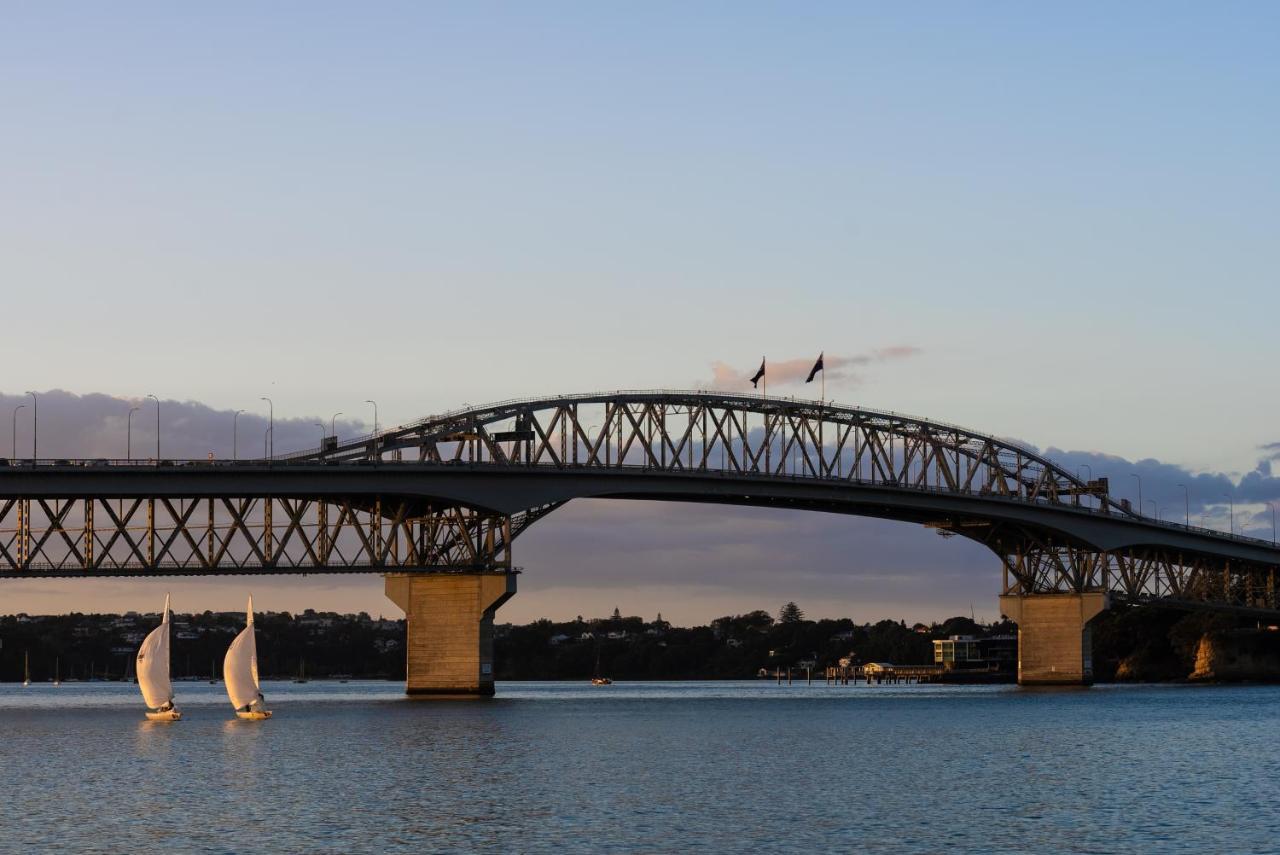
(1186, 498)
(35, 426)
(1139, 477)
(1155, 511)
(157, 400)
(128, 433)
(332, 425)
(234, 451)
(271, 427)
(1232, 518)
(1084, 466)
(266, 433)
(15, 429)
(1272, 505)
(322, 433)
(375, 426)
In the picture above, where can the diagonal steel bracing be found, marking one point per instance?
(113, 537)
(453, 491)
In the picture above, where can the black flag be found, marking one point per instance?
(813, 372)
(759, 374)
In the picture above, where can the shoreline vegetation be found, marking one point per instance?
(1130, 644)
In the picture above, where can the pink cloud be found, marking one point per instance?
(790, 372)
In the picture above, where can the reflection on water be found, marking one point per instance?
(656, 767)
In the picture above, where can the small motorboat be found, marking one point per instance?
(601, 681)
(153, 672)
(240, 674)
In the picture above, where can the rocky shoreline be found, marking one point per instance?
(1150, 645)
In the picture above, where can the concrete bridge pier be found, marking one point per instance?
(449, 633)
(1055, 645)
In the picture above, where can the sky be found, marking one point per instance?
(1054, 224)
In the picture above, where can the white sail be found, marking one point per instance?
(240, 668)
(153, 664)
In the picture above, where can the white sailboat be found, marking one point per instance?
(240, 673)
(153, 672)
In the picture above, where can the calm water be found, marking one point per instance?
(650, 767)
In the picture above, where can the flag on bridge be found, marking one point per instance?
(817, 366)
(759, 374)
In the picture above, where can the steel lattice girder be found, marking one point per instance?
(167, 536)
(1035, 565)
(435, 487)
(743, 434)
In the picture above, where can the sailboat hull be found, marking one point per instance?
(253, 715)
(167, 715)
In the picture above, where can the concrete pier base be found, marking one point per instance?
(449, 637)
(1055, 647)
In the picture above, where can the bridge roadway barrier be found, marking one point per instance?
(449, 632)
(1055, 644)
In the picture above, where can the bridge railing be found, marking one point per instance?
(9, 464)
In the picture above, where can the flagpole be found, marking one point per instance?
(764, 411)
(822, 450)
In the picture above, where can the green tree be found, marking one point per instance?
(790, 613)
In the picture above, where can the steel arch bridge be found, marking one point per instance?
(451, 492)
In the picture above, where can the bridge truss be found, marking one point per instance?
(227, 536)
(742, 449)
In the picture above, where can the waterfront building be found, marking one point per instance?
(967, 652)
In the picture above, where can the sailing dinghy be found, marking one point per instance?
(153, 672)
(240, 674)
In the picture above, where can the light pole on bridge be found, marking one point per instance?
(1272, 505)
(333, 431)
(35, 426)
(157, 400)
(322, 433)
(271, 427)
(375, 426)
(1186, 498)
(1084, 466)
(1139, 477)
(1232, 518)
(1155, 510)
(234, 450)
(15, 429)
(128, 433)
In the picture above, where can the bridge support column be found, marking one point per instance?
(449, 634)
(1055, 647)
